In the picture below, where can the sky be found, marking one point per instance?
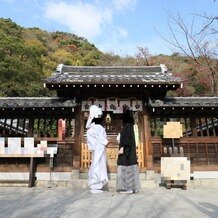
(116, 26)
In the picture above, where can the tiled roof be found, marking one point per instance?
(112, 75)
(30, 102)
(185, 102)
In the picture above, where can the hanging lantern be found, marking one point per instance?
(108, 121)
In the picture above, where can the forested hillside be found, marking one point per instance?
(28, 55)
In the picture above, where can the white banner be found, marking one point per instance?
(116, 106)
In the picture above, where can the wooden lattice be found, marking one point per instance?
(140, 155)
(86, 156)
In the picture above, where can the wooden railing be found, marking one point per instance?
(112, 153)
(200, 150)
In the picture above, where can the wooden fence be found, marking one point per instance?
(200, 150)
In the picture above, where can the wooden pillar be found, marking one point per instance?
(193, 125)
(213, 127)
(4, 129)
(44, 127)
(61, 129)
(207, 128)
(24, 126)
(50, 128)
(79, 135)
(17, 126)
(32, 171)
(11, 125)
(31, 127)
(38, 128)
(147, 141)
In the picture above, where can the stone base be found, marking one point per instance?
(76, 179)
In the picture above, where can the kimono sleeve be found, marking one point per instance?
(102, 136)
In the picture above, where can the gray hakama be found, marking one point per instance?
(128, 178)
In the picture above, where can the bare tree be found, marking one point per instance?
(199, 44)
(143, 55)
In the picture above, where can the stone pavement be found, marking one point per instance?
(65, 202)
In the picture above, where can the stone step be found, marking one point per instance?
(83, 183)
(14, 183)
(80, 180)
(148, 175)
(111, 176)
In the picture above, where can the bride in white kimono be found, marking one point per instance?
(96, 141)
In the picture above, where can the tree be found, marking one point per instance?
(143, 55)
(20, 62)
(200, 45)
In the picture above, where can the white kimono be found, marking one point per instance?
(97, 141)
